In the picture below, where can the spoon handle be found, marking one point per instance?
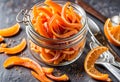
(91, 10)
(115, 71)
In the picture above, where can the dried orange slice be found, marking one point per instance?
(1, 38)
(112, 32)
(16, 49)
(90, 59)
(10, 31)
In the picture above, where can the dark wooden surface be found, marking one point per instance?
(8, 12)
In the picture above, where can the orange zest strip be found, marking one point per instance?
(39, 77)
(68, 52)
(63, 77)
(57, 8)
(47, 70)
(60, 59)
(46, 57)
(41, 9)
(26, 62)
(63, 13)
(71, 16)
(35, 12)
(51, 24)
(65, 35)
(10, 31)
(72, 56)
(64, 27)
(40, 28)
(16, 49)
(1, 38)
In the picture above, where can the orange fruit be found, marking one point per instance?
(10, 31)
(112, 33)
(89, 64)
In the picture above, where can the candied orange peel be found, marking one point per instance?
(10, 31)
(54, 56)
(16, 49)
(1, 38)
(43, 74)
(55, 20)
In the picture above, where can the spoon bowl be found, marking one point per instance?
(115, 20)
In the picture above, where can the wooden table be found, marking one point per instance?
(8, 12)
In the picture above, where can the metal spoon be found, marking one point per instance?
(99, 38)
(103, 60)
(106, 59)
(116, 19)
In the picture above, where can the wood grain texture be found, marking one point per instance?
(8, 12)
(89, 9)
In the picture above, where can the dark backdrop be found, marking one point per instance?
(8, 12)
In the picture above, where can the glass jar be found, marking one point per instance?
(56, 46)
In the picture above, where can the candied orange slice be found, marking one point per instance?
(16, 49)
(1, 38)
(90, 59)
(10, 31)
(112, 32)
(29, 63)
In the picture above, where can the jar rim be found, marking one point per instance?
(79, 8)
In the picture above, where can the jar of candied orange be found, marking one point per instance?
(56, 32)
